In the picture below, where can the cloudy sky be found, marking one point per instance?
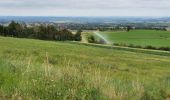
(85, 7)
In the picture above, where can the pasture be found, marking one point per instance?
(34, 69)
(153, 38)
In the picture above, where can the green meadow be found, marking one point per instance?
(46, 70)
(154, 38)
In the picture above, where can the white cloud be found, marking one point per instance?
(85, 7)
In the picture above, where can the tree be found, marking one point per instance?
(128, 28)
(41, 32)
(14, 29)
(65, 35)
(1, 30)
(44, 32)
(28, 33)
(77, 36)
(51, 32)
(91, 39)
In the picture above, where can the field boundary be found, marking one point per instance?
(138, 50)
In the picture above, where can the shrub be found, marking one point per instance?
(91, 39)
(164, 48)
(146, 47)
(116, 44)
(150, 47)
(77, 36)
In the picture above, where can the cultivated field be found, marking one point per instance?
(34, 69)
(139, 37)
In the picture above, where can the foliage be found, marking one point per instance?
(143, 47)
(128, 28)
(43, 32)
(95, 39)
(77, 36)
(91, 39)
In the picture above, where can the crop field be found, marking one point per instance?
(154, 38)
(46, 70)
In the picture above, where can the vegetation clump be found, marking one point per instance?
(43, 32)
(94, 39)
(142, 47)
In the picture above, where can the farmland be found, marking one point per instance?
(154, 38)
(35, 69)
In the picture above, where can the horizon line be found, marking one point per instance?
(77, 16)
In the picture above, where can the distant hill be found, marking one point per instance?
(49, 19)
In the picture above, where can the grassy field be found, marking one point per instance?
(34, 69)
(140, 37)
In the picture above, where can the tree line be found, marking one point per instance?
(43, 32)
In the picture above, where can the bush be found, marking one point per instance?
(146, 47)
(77, 36)
(150, 47)
(91, 39)
(116, 44)
(164, 48)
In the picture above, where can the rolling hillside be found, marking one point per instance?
(35, 69)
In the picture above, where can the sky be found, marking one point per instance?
(84, 7)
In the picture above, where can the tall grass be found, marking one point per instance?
(38, 70)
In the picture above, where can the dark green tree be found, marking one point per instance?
(51, 32)
(14, 29)
(129, 28)
(91, 39)
(77, 36)
(1, 30)
(44, 32)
